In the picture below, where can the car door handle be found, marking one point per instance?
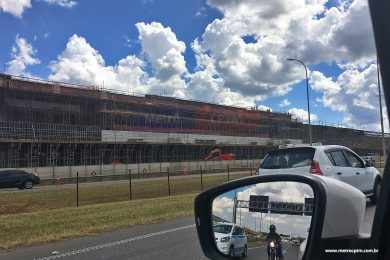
(339, 173)
(357, 173)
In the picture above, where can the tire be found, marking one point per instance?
(245, 253)
(377, 189)
(231, 252)
(28, 185)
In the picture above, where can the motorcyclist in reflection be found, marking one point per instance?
(275, 238)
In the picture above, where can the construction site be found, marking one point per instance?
(55, 129)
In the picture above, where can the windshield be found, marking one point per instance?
(288, 158)
(224, 229)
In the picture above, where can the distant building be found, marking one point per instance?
(46, 124)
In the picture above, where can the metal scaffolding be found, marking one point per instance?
(57, 125)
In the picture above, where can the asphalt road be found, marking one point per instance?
(174, 240)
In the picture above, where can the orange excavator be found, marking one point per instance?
(216, 154)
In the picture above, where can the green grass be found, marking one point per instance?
(89, 194)
(52, 225)
(41, 216)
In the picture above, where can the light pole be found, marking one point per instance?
(381, 113)
(307, 95)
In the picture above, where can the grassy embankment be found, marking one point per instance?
(52, 225)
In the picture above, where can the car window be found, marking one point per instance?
(224, 229)
(4, 173)
(354, 161)
(16, 173)
(237, 231)
(330, 158)
(339, 158)
(288, 158)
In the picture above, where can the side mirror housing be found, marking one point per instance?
(333, 202)
(368, 163)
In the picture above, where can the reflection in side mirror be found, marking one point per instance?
(266, 220)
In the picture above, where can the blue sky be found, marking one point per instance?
(110, 29)
(107, 27)
(297, 97)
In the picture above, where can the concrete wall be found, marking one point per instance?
(144, 168)
(154, 137)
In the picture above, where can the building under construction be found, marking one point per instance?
(48, 124)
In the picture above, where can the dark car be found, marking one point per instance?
(18, 179)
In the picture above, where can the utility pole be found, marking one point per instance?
(235, 209)
(381, 113)
(307, 96)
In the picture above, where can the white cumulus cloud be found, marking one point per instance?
(168, 75)
(208, 85)
(307, 30)
(62, 3)
(165, 53)
(17, 7)
(22, 56)
(299, 29)
(81, 63)
(302, 115)
(14, 7)
(284, 103)
(355, 93)
(163, 49)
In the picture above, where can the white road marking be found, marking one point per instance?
(256, 247)
(112, 244)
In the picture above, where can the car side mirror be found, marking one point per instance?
(278, 215)
(368, 163)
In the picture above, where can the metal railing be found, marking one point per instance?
(48, 131)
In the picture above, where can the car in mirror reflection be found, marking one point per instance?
(273, 216)
(231, 239)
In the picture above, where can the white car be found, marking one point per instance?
(231, 239)
(333, 161)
